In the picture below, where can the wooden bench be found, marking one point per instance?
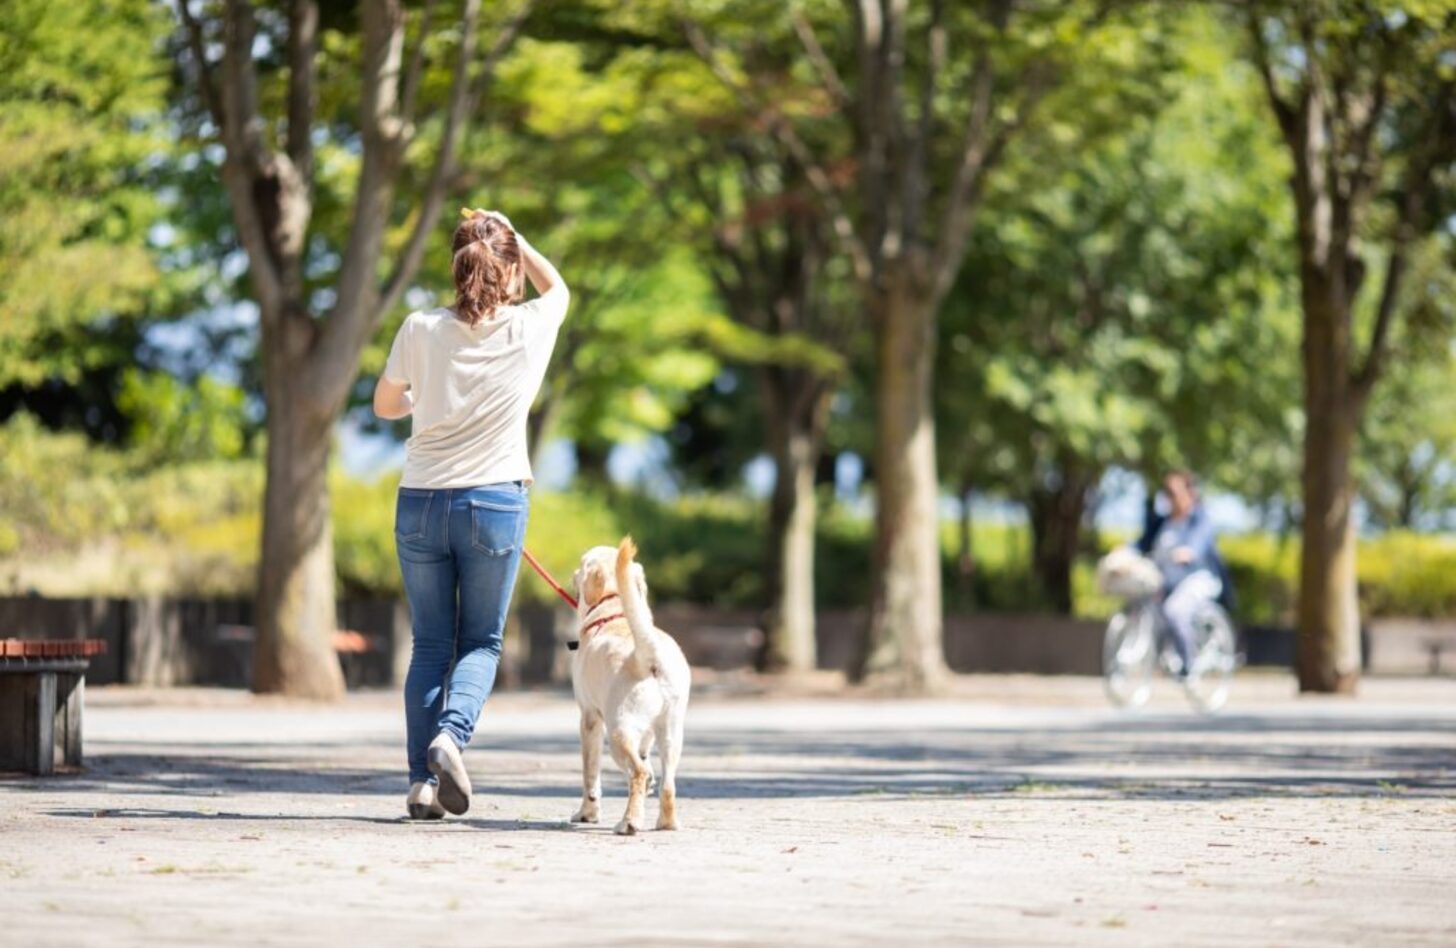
(42, 690)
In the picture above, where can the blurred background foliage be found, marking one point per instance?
(1129, 302)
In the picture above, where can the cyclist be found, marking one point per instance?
(1182, 544)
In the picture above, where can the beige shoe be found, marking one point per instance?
(448, 766)
(421, 802)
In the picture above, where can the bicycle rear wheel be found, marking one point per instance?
(1128, 656)
(1215, 659)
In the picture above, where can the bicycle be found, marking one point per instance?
(1138, 642)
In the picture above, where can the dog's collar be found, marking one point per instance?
(596, 623)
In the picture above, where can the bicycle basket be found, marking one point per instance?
(1126, 574)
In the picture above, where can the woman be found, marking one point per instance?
(467, 375)
(1184, 547)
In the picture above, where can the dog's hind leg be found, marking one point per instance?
(591, 770)
(648, 738)
(625, 753)
(669, 747)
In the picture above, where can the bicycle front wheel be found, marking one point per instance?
(1215, 659)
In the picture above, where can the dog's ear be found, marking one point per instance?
(593, 585)
(639, 579)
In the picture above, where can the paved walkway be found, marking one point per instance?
(1024, 813)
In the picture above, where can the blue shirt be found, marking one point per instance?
(1162, 535)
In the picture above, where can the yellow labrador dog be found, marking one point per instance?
(631, 681)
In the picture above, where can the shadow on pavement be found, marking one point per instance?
(450, 824)
(1134, 758)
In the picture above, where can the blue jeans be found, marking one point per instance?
(459, 550)
(1180, 606)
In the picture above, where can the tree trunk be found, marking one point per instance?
(591, 462)
(1411, 486)
(902, 644)
(296, 610)
(795, 408)
(1329, 616)
(538, 422)
(1056, 530)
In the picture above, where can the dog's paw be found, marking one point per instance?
(667, 823)
(625, 828)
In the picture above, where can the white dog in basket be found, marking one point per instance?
(1127, 574)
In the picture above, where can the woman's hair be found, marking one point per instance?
(487, 268)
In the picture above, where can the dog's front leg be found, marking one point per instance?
(591, 770)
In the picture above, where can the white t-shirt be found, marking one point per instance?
(472, 390)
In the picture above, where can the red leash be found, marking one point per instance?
(550, 580)
(570, 599)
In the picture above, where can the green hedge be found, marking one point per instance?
(76, 519)
(1403, 574)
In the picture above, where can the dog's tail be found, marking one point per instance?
(634, 605)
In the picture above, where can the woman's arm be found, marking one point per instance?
(543, 276)
(392, 399)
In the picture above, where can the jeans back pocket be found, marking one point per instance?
(412, 514)
(496, 528)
